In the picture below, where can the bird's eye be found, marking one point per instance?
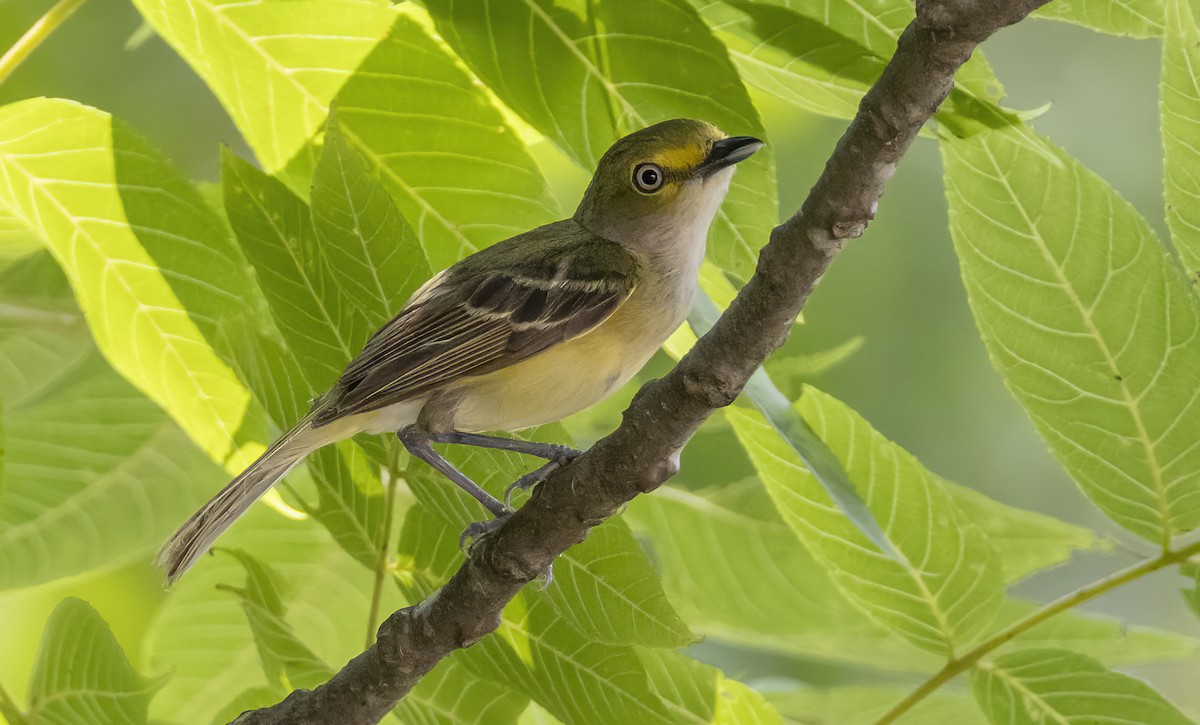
(648, 178)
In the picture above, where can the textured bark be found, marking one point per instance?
(643, 451)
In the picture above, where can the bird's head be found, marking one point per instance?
(662, 185)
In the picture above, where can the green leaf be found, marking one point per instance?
(288, 662)
(200, 633)
(537, 650)
(274, 65)
(159, 281)
(322, 327)
(1051, 685)
(864, 705)
(81, 674)
(456, 169)
(1135, 18)
(604, 587)
(795, 431)
(1089, 322)
(1179, 105)
(706, 694)
(943, 585)
(448, 694)
(315, 316)
(373, 253)
(625, 65)
(95, 473)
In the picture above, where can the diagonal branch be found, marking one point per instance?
(643, 451)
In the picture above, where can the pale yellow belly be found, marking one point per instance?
(561, 381)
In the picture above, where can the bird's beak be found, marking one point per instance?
(727, 152)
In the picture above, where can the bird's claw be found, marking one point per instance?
(539, 474)
(477, 531)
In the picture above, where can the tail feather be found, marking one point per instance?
(200, 531)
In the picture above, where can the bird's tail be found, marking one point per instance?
(200, 531)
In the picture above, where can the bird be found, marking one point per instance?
(522, 333)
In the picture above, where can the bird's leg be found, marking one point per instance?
(417, 443)
(550, 451)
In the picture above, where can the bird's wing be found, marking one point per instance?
(493, 309)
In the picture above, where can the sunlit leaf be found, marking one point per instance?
(151, 265)
(81, 674)
(1089, 322)
(1136, 18)
(458, 172)
(275, 65)
(944, 583)
(1180, 108)
(1048, 685)
(627, 64)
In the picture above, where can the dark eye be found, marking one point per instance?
(648, 178)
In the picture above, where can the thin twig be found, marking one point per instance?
(961, 664)
(33, 37)
(643, 451)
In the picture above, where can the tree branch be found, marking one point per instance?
(643, 451)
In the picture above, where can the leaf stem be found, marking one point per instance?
(961, 664)
(8, 708)
(381, 556)
(33, 37)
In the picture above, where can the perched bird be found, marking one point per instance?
(522, 333)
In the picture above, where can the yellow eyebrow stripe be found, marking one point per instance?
(680, 158)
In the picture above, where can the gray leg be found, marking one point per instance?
(549, 451)
(417, 443)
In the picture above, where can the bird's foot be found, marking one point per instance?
(476, 532)
(539, 474)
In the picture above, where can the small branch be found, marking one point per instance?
(643, 451)
(381, 556)
(959, 665)
(33, 37)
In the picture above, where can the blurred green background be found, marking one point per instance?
(921, 376)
